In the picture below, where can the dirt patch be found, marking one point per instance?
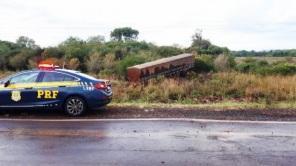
(115, 112)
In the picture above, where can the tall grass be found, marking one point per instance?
(206, 89)
(210, 88)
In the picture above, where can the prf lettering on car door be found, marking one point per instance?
(47, 94)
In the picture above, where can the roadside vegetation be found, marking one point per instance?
(217, 77)
(210, 88)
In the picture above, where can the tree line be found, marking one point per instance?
(270, 53)
(96, 54)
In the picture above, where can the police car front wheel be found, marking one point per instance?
(75, 106)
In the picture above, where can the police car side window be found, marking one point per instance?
(24, 78)
(56, 77)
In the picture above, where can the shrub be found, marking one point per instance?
(94, 63)
(284, 69)
(224, 62)
(74, 63)
(253, 66)
(263, 68)
(18, 62)
(109, 61)
(108, 65)
(32, 63)
(3, 62)
(166, 51)
(128, 61)
(204, 63)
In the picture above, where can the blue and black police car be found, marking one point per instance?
(53, 88)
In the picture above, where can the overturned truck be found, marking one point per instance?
(167, 66)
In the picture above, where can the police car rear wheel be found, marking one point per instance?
(75, 106)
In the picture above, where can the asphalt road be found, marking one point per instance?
(146, 142)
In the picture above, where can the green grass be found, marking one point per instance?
(225, 105)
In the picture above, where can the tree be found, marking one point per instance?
(52, 52)
(96, 39)
(73, 41)
(203, 46)
(125, 33)
(199, 42)
(74, 47)
(24, 41)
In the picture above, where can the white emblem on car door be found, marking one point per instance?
(16, 96)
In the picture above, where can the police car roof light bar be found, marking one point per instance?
(47, 66)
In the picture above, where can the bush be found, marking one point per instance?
(166, 51)
(246, 67)
(128, 61)
(204, 63)
(18, 62)
(109, 65)
(94, 63)
(253, 66)
(3, 62)
(263, 68)
(284, 69)
(224, 62)
(53, 52)
(74, 63)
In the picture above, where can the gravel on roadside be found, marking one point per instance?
(115, 112)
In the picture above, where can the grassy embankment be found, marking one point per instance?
(211, 91)
(216, 91)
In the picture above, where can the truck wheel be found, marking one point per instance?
(75, 106)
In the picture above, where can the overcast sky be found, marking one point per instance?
(237, 24)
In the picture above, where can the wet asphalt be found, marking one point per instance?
(146, 142)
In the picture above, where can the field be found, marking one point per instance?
(270, 60)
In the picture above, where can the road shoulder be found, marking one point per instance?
(114, 111)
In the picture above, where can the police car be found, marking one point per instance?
(53, 88)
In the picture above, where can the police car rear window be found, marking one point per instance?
(87, 76)
(57, 77)
(24, 78)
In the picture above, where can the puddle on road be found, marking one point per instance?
(55, 133)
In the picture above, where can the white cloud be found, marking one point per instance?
(237, 24)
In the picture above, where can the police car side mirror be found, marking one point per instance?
(6, 84)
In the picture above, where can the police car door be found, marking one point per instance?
(19, 90)
(54, 87)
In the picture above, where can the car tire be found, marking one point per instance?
(75, 106)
